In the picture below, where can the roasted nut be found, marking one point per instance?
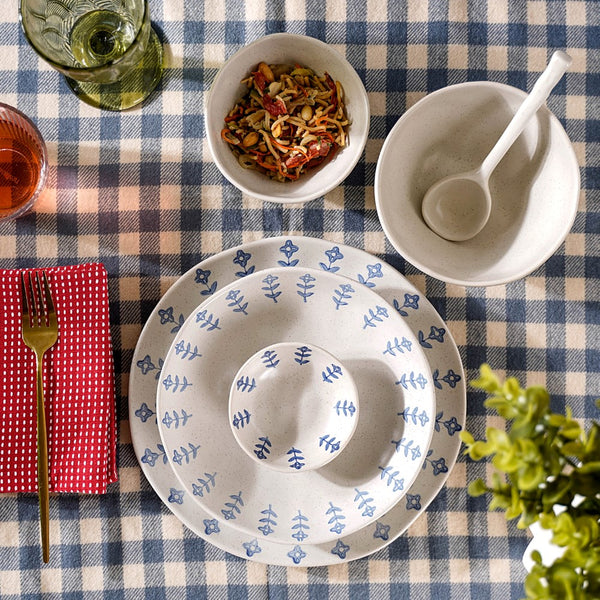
(276, 130)
(274, 88)
(265, 69)
(307, 112)
(250, 139)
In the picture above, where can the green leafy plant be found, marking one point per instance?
(547, 469)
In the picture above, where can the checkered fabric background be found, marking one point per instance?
(139, 192)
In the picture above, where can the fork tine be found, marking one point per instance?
(24, 297)
(48, 297)
(41, 308)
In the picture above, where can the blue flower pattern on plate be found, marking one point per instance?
(333, 255)
(203, 278)
(288, 250)
(300, 527)
(268, 521)
(373, 272)
(144, 413)
(306, 286)
(270, 288)
(340, 549)
(241, 259)
(205, 484)
(176, 419)
(232, 508)
(147, 366)
(410, 301)
(336, 519)
(342, 295)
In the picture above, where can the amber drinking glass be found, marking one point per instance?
(23, 163)
(107, 50)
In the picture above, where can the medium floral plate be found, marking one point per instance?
(201, 282)
(360, 329)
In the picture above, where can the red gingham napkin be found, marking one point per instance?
(78, 386)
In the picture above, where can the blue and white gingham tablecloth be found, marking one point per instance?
(139, 191)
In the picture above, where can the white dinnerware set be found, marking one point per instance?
(295, 401)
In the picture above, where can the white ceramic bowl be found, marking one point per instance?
(226, 90)
(535, 188)
(293, 406)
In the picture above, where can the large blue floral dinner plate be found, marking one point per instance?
(212, 275)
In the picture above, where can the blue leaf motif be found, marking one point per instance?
(185, 352)
(176, 419)
(408, 448)
(329, 443)
(415, 416)
(332, 373)
(336, 518)
(398, 346)
(392, 478)
(300, 527)
(185, 454)
(305, 286)
(296, 458)
(175, 384)
(237, 301)
(205, 484)
(263, 449)
(342, 295)
(246, 384)
(375, 316)
(415, 381)
(270, 359)
(364, 502)
(271, 286)
(232, 509)
(207, 321)
(241, 419)
(268, 521)
(302, 354)
(347, 409)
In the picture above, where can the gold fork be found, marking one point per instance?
(40, 332)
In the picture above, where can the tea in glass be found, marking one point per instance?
(23, 163)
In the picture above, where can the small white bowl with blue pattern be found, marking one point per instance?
(293, 406)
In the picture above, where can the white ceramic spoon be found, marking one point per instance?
(458, 206)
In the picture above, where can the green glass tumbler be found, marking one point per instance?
(106, 49)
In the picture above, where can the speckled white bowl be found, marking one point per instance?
(287, 48)
(293, 407)
(535, 188)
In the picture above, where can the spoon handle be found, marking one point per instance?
(552, 74)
